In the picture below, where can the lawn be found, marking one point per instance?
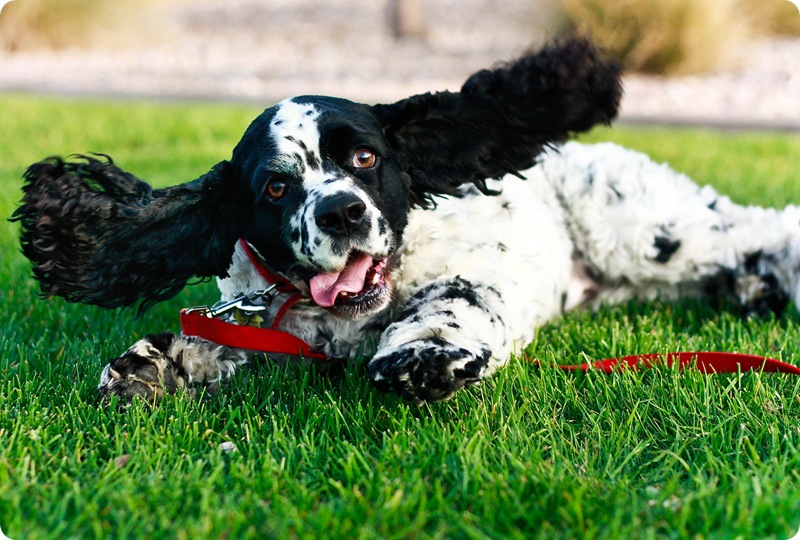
(533, 453)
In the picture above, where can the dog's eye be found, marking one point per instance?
(364, 159)
(277, 189)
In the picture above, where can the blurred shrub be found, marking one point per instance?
(661, 36)
(56, 24)
(773, 17)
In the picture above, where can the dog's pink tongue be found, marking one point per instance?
(326, 287)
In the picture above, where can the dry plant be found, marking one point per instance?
(58, 24)
(773, 17)
(662, 36)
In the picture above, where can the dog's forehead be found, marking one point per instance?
(293, 118)
(294, 130)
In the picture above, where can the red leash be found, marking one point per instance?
(268, 340)
(704, 362)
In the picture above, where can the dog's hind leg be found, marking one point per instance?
(640, 229)
(165, 363)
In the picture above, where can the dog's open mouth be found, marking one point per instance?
(361, 287)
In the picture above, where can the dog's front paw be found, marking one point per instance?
(143, 370)
(165, 363)
(430, 369)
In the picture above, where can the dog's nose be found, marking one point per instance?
(340, 213)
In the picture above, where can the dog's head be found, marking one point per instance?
(320, 186)
(329, 200)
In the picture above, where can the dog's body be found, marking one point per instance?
(336, 198)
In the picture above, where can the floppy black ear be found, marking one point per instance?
(502, 118)
(98, 235)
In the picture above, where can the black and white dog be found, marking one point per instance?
(379, 216)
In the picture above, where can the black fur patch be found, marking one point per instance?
(312, 160)
(304, 238)
(311, 157)
(301, 165)
(461, 290)
(751, 261)
(501, 119)
(162, 341)
(99, 235)
(666, 248)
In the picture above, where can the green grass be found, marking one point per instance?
(533, 453)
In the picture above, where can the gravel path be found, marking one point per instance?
(261, 51)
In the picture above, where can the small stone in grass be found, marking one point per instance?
(227, 446)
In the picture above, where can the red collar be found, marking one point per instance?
(282, 284)
(202, 321)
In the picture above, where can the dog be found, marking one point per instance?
(429, 236)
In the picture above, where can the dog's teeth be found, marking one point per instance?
(344, 294)
(375, 279)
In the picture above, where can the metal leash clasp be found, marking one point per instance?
(254, 302)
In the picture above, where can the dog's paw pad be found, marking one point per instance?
(427, 369)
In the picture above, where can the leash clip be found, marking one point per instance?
(254, 302)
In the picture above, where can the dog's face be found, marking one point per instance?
(330, 201)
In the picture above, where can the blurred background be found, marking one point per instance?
(725, 62)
